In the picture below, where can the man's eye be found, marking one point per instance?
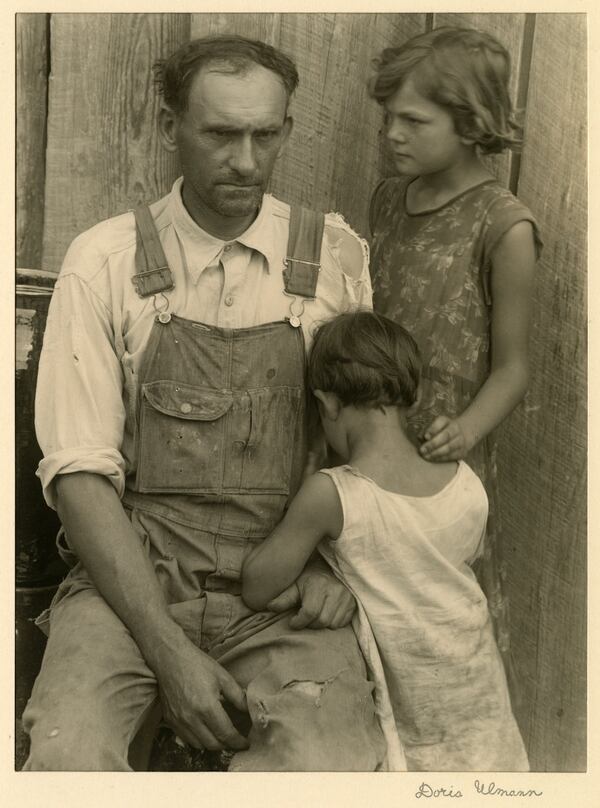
(266, 137)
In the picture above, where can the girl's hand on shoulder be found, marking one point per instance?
(446, 439)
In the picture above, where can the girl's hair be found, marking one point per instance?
(366, 360)
(230, 53)
(464, 70)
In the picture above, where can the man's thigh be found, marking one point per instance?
(309, 700)
(93, 691)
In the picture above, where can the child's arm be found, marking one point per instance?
(315, 512)
(513, 264)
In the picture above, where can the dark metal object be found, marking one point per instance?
(37, 560)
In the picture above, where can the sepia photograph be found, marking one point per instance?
(300, 395)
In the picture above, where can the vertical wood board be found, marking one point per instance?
(103, 152)
(31, 112)
(335, 159)
(543, 456)
(265, 27)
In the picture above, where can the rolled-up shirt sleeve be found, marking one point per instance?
(79, 410)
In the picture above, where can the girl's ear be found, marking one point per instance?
(329, 404)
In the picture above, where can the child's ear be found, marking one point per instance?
(414, 407)
(329, 404)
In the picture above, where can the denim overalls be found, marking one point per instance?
(221, 442)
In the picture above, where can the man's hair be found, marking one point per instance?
(462, 69)
(366, 359)
(228, 53)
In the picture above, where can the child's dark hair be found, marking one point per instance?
(231, 53)
(466, 71)
(365, 359)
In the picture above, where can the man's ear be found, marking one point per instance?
(329, 404)
(168, 123)
(288, 125)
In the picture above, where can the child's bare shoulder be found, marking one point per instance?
(318, 503)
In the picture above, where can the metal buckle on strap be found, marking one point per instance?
(301, 277)
(153, 281)
(300, 261)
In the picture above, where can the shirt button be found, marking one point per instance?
(186, 407)
(228, 247)
(229, 300)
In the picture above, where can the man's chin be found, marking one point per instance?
(239, 203)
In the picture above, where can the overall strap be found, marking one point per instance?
(153, 273)
(303, 261)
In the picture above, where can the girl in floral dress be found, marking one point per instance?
(453, 254)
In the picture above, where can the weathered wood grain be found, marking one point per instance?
(509, 29)
(31, 113)
(334, 159)
(543, 453)
(265, 27)
(103, 154)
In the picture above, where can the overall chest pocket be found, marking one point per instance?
(261, 453)
(199, 440)
(181, 438)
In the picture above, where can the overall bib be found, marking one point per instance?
(221, 438)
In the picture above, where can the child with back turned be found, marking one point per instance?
(399, 531)
(453, 253)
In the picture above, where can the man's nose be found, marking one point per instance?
(243, 158)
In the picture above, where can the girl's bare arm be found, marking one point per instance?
(276, 563)
(513, 266)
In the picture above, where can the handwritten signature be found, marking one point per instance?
(488, 789)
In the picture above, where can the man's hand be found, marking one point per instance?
(324, 601)
(446, 439)
(192, 688)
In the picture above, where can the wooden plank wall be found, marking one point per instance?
(544, 448)
(103, 156)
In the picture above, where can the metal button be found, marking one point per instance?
(164, 317)
(186, 407)
(229, 300)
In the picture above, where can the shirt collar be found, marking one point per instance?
(206, 249)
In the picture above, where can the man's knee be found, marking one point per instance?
(77, 745)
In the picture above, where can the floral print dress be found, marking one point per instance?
(431, 273)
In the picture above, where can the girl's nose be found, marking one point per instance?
(395, 132)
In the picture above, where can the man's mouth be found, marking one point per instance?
(240, 184)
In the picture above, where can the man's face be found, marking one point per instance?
(228, 140)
